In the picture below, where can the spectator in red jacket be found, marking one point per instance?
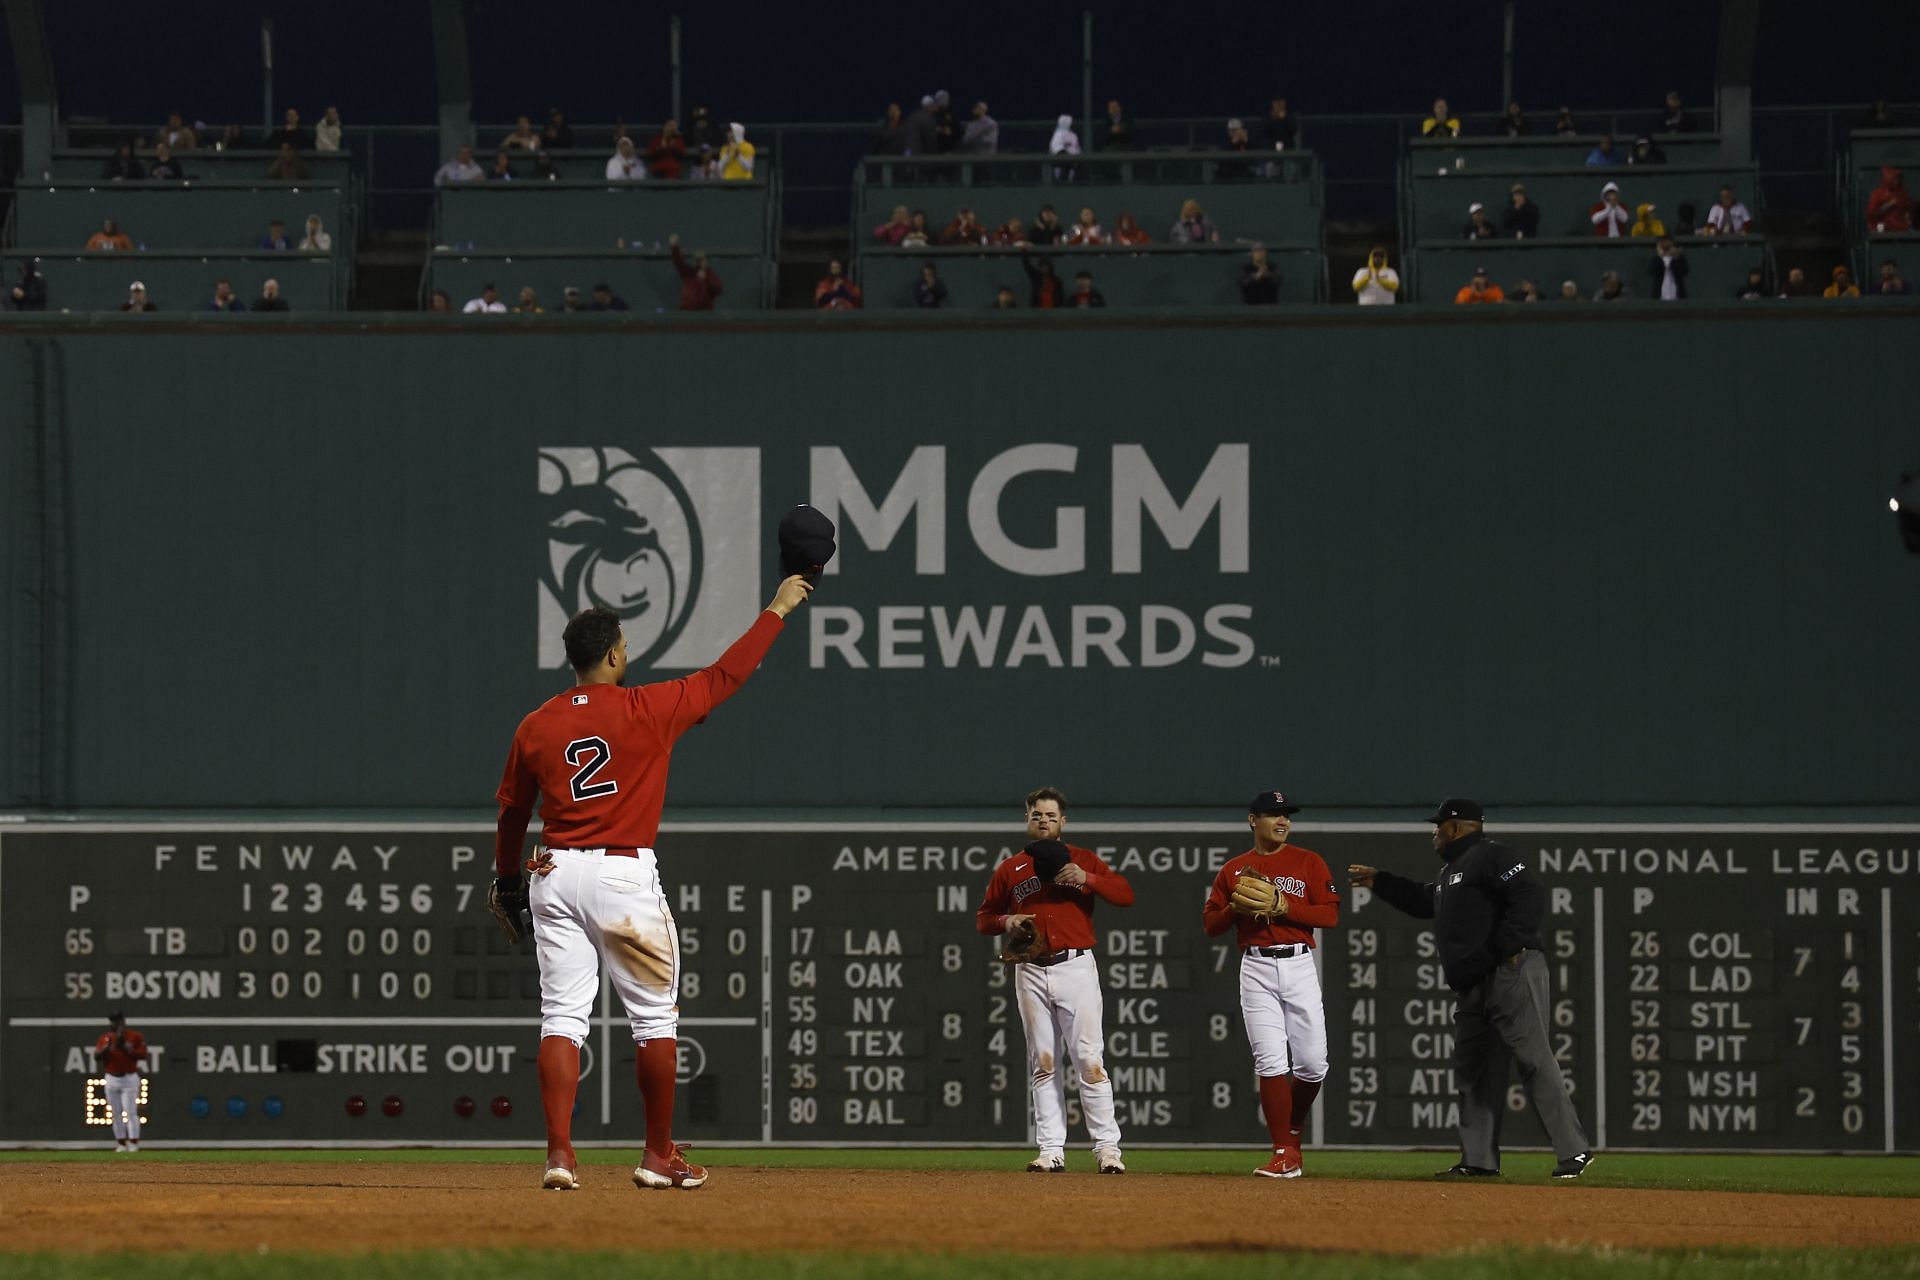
(966, 228)
(895, 228)
(1129, 231)
(1047, 290)
(667, 153)
(1086, 230)
(836, 292)
(1890, 207)
(1011, 235)
(699, 286)
(1609, 214)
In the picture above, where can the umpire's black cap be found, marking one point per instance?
(1050, 858)
(1272, 802)
(806, 542)
(1458, 807)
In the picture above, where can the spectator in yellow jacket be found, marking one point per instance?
(736, 158)
(1842, 286)
(1645, 224)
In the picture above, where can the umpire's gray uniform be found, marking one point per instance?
(1486, 907)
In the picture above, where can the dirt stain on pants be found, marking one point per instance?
(649, 960)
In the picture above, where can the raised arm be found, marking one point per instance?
(1410, 896)
(678, 705)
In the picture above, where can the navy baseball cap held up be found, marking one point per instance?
(806, 542)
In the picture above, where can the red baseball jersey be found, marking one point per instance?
(124, 1060)
(1067, 913)
(596, 756)
(1300, 874)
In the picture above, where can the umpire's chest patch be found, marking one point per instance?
(1456, 878)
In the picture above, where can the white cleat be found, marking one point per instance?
(1047, 1162)
(559, 1179)
(1109, 1160)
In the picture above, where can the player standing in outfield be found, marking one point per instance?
(1274, 896)
(1047, 891)
(597, 757)
(122, 1054)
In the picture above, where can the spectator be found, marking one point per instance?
(459, 169)
(1569, 291)
(1684, 221)
(1529, 291)
(919, 234)
(543, 170)
(224, 298)
(1004, 299)
(1479, 290)
(287, 166)
(557, 134)
(625, 164)
(109, 236)
(920, 134)
(441, 302)
(29, 292)
(1728, 217)
(892, 138)
(502, 170)
(704, 132)
(317, 239)
(1282, 128)
(177, 135)
(1012, 234)
(529, 304)
(570, 301)
(1442, 123)
(1563, 125)
(1084, 294)
(1514, 123)
(122, 167)
(1046, 227)
(1603, 156)
(699, 286)
(1194, 226)
(1679, 119)
(982, 137)
(1086, 230)
(1878, 116)
(1611, 288)
(270, 299)
(1376, 284)
(488, 303)
(1892, 284)
(1479, 225)
(1889, 205)
(667, 153)
(1842, 286)
(895, 228)
(326, 134)
(232, 138)
(290, 133)
(605, 299)
(165, 167)
(1127, 231)
(1119, 128)
(1797, 286)
(1044, 288)
(929, 290)
(137, 298)
(835, 292)
(523, 138)
(1645, 224)
(1522, 217)
(737, 156)
(1755, 289)
(1609, 216)
(1667, 272)
(944, 133)
(1065, 142)
(1259, 282)
(276, 237)
(965, 229)
(1645, 152)
(1237, 140)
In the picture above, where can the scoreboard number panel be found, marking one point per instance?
(1742, 987)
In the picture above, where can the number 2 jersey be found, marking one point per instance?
(1300, 874)
(596, 756)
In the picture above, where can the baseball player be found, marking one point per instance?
(1274, 896)
(597, 757)
(122, 1055)
(1044, 897)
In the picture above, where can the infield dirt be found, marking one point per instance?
(348, 1207)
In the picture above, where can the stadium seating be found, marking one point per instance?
(181, 280)
(716, 216)
(645, 279)
(1464, 155)
(1717, 268)
(1156, 275)
(1438, 203)
(325, 168)
(1901, 250)
(1870, 149)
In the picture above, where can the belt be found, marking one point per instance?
(1281, 953)
(1059, 957)
(611, 853)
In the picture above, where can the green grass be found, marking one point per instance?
(1498, 1264)
(1860, 1175)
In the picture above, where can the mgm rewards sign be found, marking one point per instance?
(1035, 557)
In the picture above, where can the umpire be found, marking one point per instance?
(1486, 906)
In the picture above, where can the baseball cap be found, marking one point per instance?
(1235, 124)
(1458, 807)
(117, 1016)
(806, 542)
(1611, 186)
(1050, 857)
(136, 285)
(1475, 207)
(1272, 802)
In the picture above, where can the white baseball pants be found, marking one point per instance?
(123, 1104)
(591, 908)
(1286, 1017)
(1061, 1010)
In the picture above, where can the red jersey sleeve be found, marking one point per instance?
(678, 705)
(1102, 880)
(997, 905)
(1217, 917)
(1322, 907)
(518, 786)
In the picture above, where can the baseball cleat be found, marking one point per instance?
(1573, 1166)
(1108, 1159)
(560, 1179)
(1047, 1162)
(656, 1174)
(1285, 1164)
(1467, 1171)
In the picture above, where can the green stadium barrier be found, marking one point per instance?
(180, 281)
(1464, 155)
(1717, 268)
(733, 217)
(325, 168)
(646, 280)
(1872, 148)
(1901, 250)
(179, 215)
(1565, 196)
(589, 164)
(1157, 276)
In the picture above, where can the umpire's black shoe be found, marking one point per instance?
(1468, 1171)
(1573, 1166)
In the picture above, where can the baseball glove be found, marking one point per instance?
(1025, 941)
(1256, 896)
(507, 899)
